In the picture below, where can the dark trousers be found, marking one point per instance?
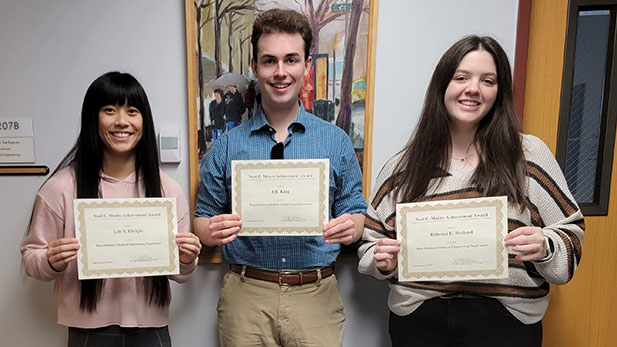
(116, 336)
(462, 322)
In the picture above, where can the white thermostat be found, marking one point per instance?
(169, 145)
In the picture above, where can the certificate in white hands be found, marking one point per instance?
(452, 240)
(281, 197)
(126, 237)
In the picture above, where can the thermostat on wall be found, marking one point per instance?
(169, 145)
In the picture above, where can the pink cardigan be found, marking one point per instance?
(123, 301)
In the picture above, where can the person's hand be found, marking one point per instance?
(341, 229)
(386, 254)
(223, 229)
(189, 247)
(529, 242)
(61, 252)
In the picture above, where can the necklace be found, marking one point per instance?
(467, 156)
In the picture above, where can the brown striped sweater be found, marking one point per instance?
(525, 292)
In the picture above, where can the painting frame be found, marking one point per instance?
(212, 254)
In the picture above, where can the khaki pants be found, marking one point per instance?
(259, 313)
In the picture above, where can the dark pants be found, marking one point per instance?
(462, 322)
(116, 336)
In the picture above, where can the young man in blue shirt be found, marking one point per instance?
(281, 290)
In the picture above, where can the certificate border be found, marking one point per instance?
(497, 202)
(80, 205)
(324, 179)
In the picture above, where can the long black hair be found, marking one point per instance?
(501, 169)
(86, 159)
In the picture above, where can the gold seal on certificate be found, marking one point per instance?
(452, 240)
(126, 237)
(281, 197)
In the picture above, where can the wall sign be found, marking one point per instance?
(16, 140)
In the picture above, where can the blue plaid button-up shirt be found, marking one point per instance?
(309, 138)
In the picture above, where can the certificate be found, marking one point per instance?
(452, 240)
(281, 197)
(126, 237)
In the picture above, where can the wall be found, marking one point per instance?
(412, 37)
(52, 50)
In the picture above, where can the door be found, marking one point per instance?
(581, 313)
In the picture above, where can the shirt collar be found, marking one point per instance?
(128, 179)
(259, 120)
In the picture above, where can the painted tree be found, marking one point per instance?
(221, 9)
(343, 119)
(234, 26)
(319, 17)
(244, 37)
(201, 20)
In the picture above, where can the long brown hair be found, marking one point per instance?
(501, 169)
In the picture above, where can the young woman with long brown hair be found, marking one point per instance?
(468, 144)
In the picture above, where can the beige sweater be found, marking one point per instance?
(525, 292)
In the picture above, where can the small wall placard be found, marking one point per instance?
(16, 140)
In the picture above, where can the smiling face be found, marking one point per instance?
(280, 68)
(120, 129)
(472, 91)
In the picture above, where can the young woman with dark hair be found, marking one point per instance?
(468, 144)
(115, 156)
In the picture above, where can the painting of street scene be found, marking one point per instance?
(227, 92)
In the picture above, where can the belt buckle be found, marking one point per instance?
(281, 273)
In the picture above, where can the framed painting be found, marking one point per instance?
(339, 88)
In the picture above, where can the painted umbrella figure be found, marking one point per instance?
(228, 78)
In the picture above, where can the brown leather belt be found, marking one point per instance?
(284, 278)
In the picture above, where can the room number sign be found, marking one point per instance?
(16, 140)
